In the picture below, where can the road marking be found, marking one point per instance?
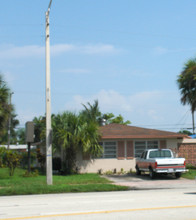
(98, 212)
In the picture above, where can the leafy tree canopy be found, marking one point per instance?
(76, 132)
(187, 86)
(185, 132)
(92, 112)
(110, 118)
(7, 110)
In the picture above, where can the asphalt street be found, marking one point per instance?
(177, 202)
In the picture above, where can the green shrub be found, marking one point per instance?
(24, 159)
(122, 171)
(2, 157)
(191, 166)
(31, 174)
(12, 159)
(109, 172)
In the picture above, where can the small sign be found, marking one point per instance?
(29, 132)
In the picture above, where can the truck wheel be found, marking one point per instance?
(152, 173)
(138, 172)
(178, 175)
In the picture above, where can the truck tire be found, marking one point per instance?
(178, 175)
(138, 172)
(152, 173)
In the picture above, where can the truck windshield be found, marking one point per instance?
(160, 153)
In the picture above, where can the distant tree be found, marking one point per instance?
(20, 133)
(13, 131)
(40, 139)
(185, 132)
(187, 86)
(110, 118)
(14, 123)
(92, 112)
(7, 111)
(5, 108)
(39, 129)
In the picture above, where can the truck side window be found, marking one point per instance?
(145, 155)
(142, 156)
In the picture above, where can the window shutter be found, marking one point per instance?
(121, 150)
(163, 144)
(129, 149)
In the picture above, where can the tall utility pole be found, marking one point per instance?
(9, 122)
(48, 104)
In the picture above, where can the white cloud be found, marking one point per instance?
(143, 108)
(16, 52)
(108, 101)
(61, 48)
(98, 49)
(145, 97)
(161, 50)
(101, 49)
(140, 105)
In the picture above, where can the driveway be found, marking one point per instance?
(143, 182)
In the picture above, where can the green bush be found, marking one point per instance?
(24, 159)
(109, 172)
(191, 166)
(31, 174)
(12, 159)
(2, 157)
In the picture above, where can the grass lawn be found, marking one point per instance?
(191, 174)
(19, 185)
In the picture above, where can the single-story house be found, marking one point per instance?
(122, 144)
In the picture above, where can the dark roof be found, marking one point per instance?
(118, 131)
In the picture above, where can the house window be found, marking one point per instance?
(141, 146)
(109, 149)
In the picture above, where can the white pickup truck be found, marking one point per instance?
(157, 161)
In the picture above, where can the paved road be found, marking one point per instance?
(172, 203)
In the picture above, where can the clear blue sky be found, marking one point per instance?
(127, 54)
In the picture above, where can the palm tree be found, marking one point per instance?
(40, 129)
(5, 108)
(71, 133)
(13, 132)
(92, 112)
(187, 86)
